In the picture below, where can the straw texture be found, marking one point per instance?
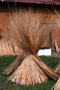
(57, 70)
(28, 30)
(30, 75)
(57, 85)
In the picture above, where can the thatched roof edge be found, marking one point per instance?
(52, 2)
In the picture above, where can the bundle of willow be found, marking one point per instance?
(57, 85)
(28, 73)
(28, 30)
(57, 70)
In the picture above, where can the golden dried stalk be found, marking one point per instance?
(15, 64)
(28, 30)
(57, 70)
(57, 85)
(28, 73)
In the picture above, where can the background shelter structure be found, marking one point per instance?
(52, 40)
(6, 47)
(52, 2)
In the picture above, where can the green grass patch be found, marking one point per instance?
(4, 85)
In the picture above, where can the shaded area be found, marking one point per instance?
(53, 2)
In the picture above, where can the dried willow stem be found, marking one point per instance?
(57, 85)
(30, 75)
(28, 30)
